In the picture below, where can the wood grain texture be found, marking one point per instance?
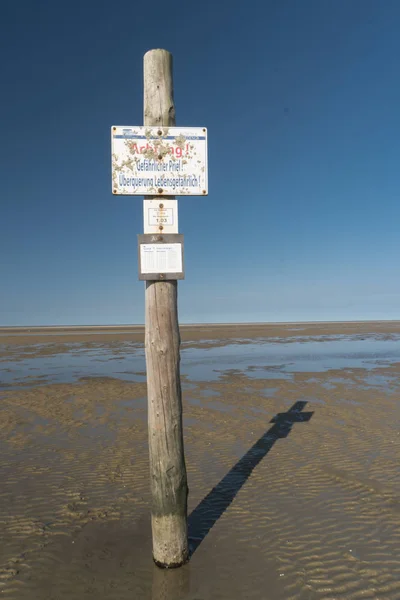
(162, 346)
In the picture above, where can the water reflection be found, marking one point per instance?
(171, 584)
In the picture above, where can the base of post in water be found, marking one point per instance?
(170, 541)
(173, 566)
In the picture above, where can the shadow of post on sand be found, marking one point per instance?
(211, 508)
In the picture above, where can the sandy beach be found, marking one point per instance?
(292, 449)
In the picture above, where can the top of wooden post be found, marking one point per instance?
(159, 107)
(157, 50)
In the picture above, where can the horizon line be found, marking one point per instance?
(196, 324)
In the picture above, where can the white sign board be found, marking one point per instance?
(160, 215)
(149, 161)
(161, 258)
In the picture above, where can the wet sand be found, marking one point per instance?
(294, 482)
(192, 333)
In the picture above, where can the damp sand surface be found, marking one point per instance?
(292, 448)
(194, 333)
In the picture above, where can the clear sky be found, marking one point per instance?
(301, 99)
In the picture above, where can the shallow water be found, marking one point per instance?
(263, 360)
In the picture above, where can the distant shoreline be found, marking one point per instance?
(134, 327)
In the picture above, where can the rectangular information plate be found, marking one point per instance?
(160, 215)
(163, 161)
(160, 256)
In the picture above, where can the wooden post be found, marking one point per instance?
(162, 344)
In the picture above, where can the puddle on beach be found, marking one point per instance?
(262, 360)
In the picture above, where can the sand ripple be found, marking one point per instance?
(283, 506)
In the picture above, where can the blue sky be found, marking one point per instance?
(301, 101)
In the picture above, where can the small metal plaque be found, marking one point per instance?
(160, 256)
(160, 215)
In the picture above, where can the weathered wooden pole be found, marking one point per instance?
(162, 344)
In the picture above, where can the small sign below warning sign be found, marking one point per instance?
(160, 215)
(160, 257)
